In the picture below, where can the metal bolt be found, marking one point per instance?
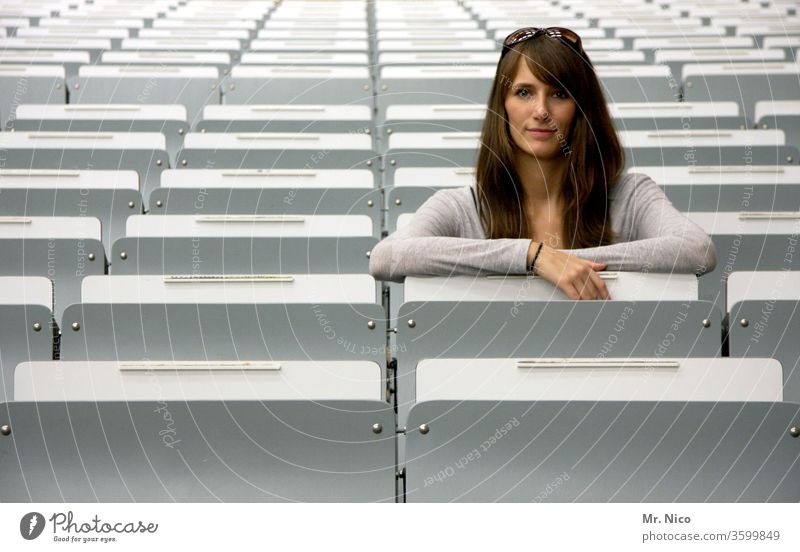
(159, 162)
(371, 324)
(231, 87)
(77, 85)
(689, 84)
(202, 131)
(180, 131)
(377, 428)
(764, 126)
(91, 256)
(368, 254)
(392, 162)
(58, 86)
(5, 429)
(213, 86)
(744, 322)
(424, 429)
(789, 158)
(184, 162)
(369, 162)
(37, 327)
(412, 323)
(706, 323)
(398, 201)
(367, 131)
(76, 326)
(123, 255)
(794, 431)
(365, 87)
(389, 131)
(370, 203)
(131, 204)
(384, 87)
(159, 203)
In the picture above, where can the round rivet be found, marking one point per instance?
(367, 131)
(131, 204)
(5, 429)
(58, 86)
(424, 429)
(412, 323)
(184, 162)
(389, 131)
(159, 203)
(91, 256)
(37, 327)
(377, 428)
(231, 87)
(794, 431)
(744, 322)
(741, 127)
(123, 255)
(213, 86)
(384, 87)
(369, 162)
(789, 158)
(764, 126)
(706, 323)
(370, 203)
(398, 202)
(76, 326)
(180, 131)
(369, 253)
(689, 84)
(392, 162)
(371, 324)
(202, 131)
(77, 85)
(159, 162)
(365, 87)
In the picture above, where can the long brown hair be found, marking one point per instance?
(596, 158)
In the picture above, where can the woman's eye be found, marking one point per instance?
(560, 94)
(523, 93)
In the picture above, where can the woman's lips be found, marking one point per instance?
(540, 132)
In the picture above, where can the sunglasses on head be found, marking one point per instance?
(567, 36)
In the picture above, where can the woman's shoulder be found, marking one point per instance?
(629, 181)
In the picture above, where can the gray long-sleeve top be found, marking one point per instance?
(446, 237)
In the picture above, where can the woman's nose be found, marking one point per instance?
(539, 106)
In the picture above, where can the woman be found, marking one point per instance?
(550, 196)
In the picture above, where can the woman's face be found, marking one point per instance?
(539, 116)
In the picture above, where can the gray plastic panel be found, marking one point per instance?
(727, 155)
(553, 451)
(269, 201)
(224, 332)
(535, 329)
(743, 253)
(65, 261)
(29, 90)
(396, 158)
(729, 197)
(148, 163)
(678, 123)
(242, 255)
(772, 331)
(197, 452)
(19, 342)
(173, 131)
(312, 90)
(111, 206)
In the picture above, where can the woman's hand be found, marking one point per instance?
(576, 277)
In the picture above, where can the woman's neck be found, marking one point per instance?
(541, 181)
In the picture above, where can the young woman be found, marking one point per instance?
(550, 197)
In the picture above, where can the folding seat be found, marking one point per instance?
(761, 31)
(302, 35)
(73, 21)
(676, 115)
(681, 41)
(747, 241)
(241, 35)
(64, 249)
(318, 44)
(168, 119)
(28, 327)
(305, 58)
(220, 60)
(682, 147)
(144, 152)
(287, 118)
(305, 84)
(95, 46)
(110, 196)
(115, 35)
(69, 60)
(389, 59)
(677, 58)
(30, 84)
(709, 33)
(437, 44)
(241, 244)
(784, 115)
(198, 451)
(429, 149)
(603, 451)
(430, 33)
(433, 118)
(786, 43)
(764, 317)
(636, 83)
(728, 187)
(191, 86)
(745, 83)
(229, 46)
(196, 23)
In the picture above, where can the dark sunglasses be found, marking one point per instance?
(567, 36)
